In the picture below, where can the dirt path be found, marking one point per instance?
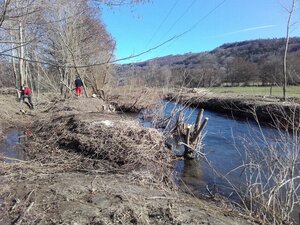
(87, 165)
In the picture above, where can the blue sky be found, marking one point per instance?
(209, 25)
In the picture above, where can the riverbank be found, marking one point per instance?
(10, 114)
(90, 165)
(264, 110)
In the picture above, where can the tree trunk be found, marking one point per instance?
(286, 49)
(21, 56)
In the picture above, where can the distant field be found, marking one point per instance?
(292, 91)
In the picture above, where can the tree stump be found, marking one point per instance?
(191, 135)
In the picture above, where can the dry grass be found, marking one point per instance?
(97, 168)
(292, 91)
(129, 99)
(119, 143)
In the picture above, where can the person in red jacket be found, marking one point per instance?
(26, 93)
(78, 86)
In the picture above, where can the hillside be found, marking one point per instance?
(256, 59)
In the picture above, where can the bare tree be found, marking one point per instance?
(18, 33)
(4, 7)
(114, 3)
(74, 35)
(241, 71)
(50, 42)
(288, 27)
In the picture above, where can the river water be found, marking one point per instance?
(226, 142)
(9, 146)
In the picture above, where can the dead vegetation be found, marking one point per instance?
(120, 143)
(91, 167)
(44, 196)
(129, 99)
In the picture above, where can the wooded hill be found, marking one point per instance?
(255, 62)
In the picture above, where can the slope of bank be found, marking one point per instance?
(10, 114)
(265, 110)
(87, 165)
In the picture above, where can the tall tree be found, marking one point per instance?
(57, 37)
(288, 27)
(241, 71)
(76, 42)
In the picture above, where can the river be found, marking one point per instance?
(9, 146)
(227, 141)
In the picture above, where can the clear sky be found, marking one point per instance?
(209, 24)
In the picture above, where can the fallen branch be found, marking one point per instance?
(13, 159)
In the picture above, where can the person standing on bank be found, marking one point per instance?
(26, 93)
(78, 86)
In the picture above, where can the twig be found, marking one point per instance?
(160, 197)
(210, 192)
(193, 149)
(20, 219)
(13, 159)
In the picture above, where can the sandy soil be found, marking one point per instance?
(89, 165)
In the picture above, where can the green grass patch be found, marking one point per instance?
(292, 91)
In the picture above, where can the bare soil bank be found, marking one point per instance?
(265, 110)
(87, 165)
(10, 115)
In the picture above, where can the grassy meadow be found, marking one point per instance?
(292, 91)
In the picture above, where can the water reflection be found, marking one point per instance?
(189, 176)
(9, 146)
(227, 144)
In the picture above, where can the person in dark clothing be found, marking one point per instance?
(26, 93)
(78, 86)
